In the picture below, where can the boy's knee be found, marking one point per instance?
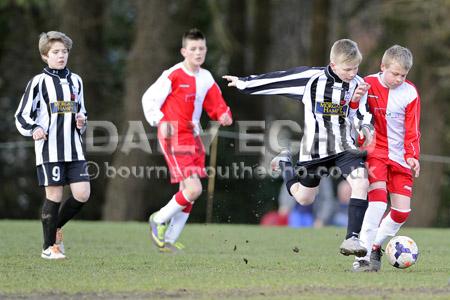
(82, 196)
(360, 186)
(363, 184)
(304, 196)
(54, 195)
(399, 216)
(193, 192)
(303, 199)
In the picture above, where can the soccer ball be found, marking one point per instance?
(402, 252)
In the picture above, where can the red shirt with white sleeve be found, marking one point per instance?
(180, 95)
(396, 116)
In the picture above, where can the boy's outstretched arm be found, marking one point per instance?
(290, 83)
(232, 80)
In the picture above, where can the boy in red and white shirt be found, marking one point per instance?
(174, 103)
(393, 158)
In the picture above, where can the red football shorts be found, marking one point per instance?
(184, 155)
(398, 179)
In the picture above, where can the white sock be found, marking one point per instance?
(176, 226)
(168, 211)
(372, 218)
(388, 227)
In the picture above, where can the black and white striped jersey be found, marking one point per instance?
(329, 121)
(51, 101)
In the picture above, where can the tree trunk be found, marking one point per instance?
(290, 33)
(84, 25)
(155, 48)
(319, 33)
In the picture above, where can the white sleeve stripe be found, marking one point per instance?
(24, 118)
(259, 82)
(289, 90)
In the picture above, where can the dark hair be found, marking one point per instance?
(192, 34)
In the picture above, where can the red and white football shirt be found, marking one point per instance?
(396, 115)
(179, 97)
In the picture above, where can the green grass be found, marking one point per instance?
(117, 260)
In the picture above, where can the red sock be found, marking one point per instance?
(399, 216)
(181, 199)
(188, 208)
(377, 195)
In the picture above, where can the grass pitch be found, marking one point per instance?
(117, 260)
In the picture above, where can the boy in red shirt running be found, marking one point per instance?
(393, 158)
(174, 103)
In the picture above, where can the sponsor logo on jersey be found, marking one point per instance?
(407, 187)
(62, 107)
(184, 86)
(393, 115)
(331, 109)
(372, 96)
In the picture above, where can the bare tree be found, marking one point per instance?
(85, 25)
(155, 48)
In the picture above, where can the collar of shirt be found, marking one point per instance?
(329, 72)
(63, 73)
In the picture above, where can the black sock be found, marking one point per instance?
(68, 210)
(49, 219)
(356, 210)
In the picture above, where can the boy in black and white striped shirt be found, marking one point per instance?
(331, 96)
(52, 111)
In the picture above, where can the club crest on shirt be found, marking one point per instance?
(347, 96)
(189, 98)
(62, 107)
(331, 109)
(74, 89)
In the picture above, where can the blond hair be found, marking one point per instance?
(398, 54)
(46, 39)
(344, 51)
